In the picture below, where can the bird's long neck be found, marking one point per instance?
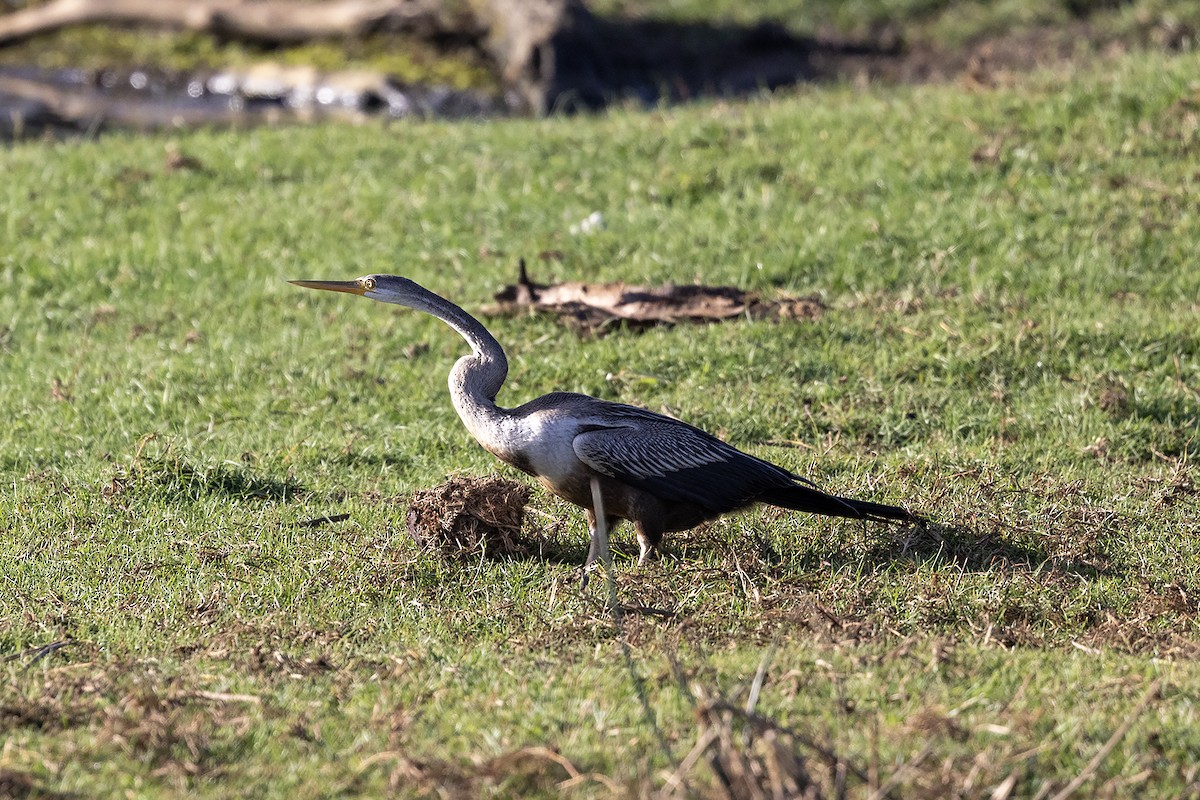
(475, 379)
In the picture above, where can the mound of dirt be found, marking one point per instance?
(466, 517)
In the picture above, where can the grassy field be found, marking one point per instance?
(1010, 348)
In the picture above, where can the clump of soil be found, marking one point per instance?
(466, 518)
(1115, 398)
(16, 784)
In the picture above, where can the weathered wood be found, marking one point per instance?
(263, 21)
(514, 34)
(520, 37)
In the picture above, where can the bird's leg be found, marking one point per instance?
(595, 546)
(646, 550)
(593, 550)
(648, 539)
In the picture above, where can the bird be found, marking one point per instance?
(658, 472)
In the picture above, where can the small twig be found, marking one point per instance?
(793, 443)
(678, 779)
(596, 777)
(1004, 789)
(39, 652)
(759, 677)
(1090, 770)
(574, 776)
(648, 611)
(223, 697)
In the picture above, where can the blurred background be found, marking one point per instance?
(69, 66)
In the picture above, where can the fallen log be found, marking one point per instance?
(514, 34)
(271, 22)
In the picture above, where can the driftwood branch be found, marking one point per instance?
(264, 21)
(516, 35)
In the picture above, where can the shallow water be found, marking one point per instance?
(56, 103)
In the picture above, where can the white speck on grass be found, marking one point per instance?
(592, 222)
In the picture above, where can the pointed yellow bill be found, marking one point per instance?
(349, 287)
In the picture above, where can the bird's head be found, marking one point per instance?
(384, 288)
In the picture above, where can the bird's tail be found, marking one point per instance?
(814, 501)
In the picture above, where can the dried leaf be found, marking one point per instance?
(596, 306)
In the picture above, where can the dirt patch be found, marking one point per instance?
(169, 721)
(536, 770)
(67, 697)
(1114, 397)
(178, 733)
(466, 518)
(20, 785)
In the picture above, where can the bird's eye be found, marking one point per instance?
(367, 283)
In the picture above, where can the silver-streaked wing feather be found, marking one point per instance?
(672, 460)
(646, 449)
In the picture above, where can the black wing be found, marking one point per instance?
(677, 463)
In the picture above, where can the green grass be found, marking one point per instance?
(1011, 349)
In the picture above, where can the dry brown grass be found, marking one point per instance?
(469, 518)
